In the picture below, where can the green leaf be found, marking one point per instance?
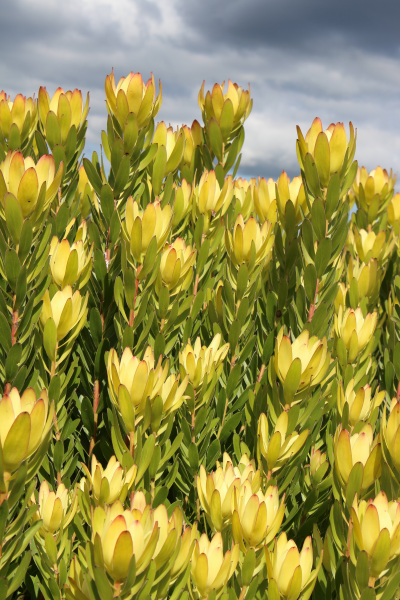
(310, 282)
(323, 256)
(193, 457)
(381, 553)
(14, 142)
(176, 154)
(226, 119)
(268, 347)
(14, 217)
(322, 158)
(18, 486)
(51, 548)
(107, 203)
(130, 133)
(332, 195)
(242, 281)
(396, 360)
(282, 293)
(53, 133)
(362, 570)
(58, 455)
(25, 241)
(354, 483)
(99, 361)
(19, 574)
(145, 457)
(230, 425)
(234, 334)
(96, 327)
(20, 288)
(318, 218)
(93, 176)
(87, 415)
(50, 339)
(392, 587)
(308, 238)
(233, 380)
(349, 179)
(102, 584)
(12, 268)
(12, 361)
(312, 178)
(292, 381)
(159, 169)
(163, 301)
(117, 153)
(215, 138)
(248, 567)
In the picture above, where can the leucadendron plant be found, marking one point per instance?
(200, 373)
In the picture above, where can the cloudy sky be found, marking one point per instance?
(303, 58)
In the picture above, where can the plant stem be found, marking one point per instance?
(96, 400)
(312, 307)
(132, 313)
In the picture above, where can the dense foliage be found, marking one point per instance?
(200, 374)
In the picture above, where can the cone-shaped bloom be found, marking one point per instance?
(376, 529)
(176, 267)
(143, 226)
(33, 185)
(291, 570)
(391, 432)
(173, 142)
(358, 448)
(211, 570)
(340, 299)
(87, 196)
(328, 148)
(227, 109)
(19, 116)
(70, 265)
(215, 490)
(318, 466)
(373, 190)
(256, 517)
(24, 423)
(67, 310)
(193, 138)
(199, 361)
(281, 446)
(112, 483)
(394, 213)
(67, 107)
(183, 202)
(131, 381)
(209, 199)
(132, 95)
(355, 331)
(285, 190)
(77, 585)
(244, 192)
(264, 199)
(300, 364)
(369, 245)
(56, 509)
(360, 403)
(250, 243)
(368, 277)
(141, 532)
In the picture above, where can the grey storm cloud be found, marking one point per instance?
(339, 61)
